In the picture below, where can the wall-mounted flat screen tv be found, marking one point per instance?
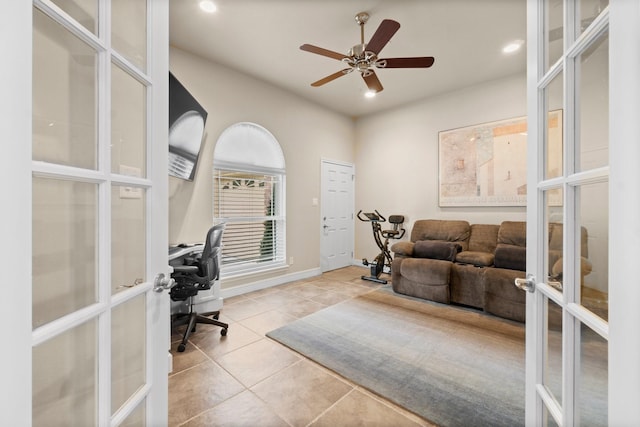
(186, 130)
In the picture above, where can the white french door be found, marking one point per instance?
(92, 138)
(336, 237)
(575, 363)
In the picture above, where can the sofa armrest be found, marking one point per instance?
(403, 248)
(435, 249)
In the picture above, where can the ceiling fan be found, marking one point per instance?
(363, 57)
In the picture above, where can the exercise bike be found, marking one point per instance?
(384, 257)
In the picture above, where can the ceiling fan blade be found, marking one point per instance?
(418, 62)
(383, 34)
(323, 52)
(372, 82)
(332, 77)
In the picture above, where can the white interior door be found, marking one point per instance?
(336, 236)
(568, 214)
(95, 207)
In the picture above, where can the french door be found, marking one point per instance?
(575, 362)
(336, 237)
(91, 132)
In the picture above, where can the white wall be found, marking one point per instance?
(395, 153)
(306, 132)
(397, 156)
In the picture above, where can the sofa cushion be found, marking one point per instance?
(436, 250)
(443, 230)
(483, 238)
(511, 257)
(513, 233)
(479, 259)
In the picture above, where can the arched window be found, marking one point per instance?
(249, 195)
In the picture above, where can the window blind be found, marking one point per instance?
(250, 204)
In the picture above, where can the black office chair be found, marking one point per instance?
(198, 273)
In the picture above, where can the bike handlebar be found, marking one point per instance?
(371, 217)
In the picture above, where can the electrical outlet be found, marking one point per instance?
(290, 260)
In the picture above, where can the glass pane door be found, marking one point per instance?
(568, 214)
(97, 192)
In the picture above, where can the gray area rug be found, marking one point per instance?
(451, 366)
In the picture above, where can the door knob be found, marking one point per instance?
(528, 284)
(163, 282)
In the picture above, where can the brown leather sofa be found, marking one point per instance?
(452, 261)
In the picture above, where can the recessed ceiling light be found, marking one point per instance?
(208, 6)
(370, 94)
(512, 47)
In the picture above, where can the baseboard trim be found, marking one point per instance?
(268, 283)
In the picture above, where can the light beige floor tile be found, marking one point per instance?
(244, 409)
(195, 390)
(293, 284)
(416, 419)
(267, 321)
(306, 290)
(246, 308)
(301, 392)
(290, 387)
(304, 308)
(266, 291)
(203, 332)
(190, 357)
(354, 290)
(330, 298)
(214, 345)
(235, 299)
(278, 299)
(327, 283)
(257, 361)
(362, 411)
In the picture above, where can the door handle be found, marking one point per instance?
(528, 284)
(163, 282)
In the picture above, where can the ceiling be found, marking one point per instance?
(261, 38)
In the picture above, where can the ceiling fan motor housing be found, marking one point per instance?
(358, 51)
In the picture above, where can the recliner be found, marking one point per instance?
(198, 273)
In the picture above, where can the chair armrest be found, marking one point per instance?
(186, 269)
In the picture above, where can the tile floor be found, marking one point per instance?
(247, 379)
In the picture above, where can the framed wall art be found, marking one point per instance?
(486, 164)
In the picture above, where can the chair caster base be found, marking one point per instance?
(181, 347)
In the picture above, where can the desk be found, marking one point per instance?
(205, 301)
